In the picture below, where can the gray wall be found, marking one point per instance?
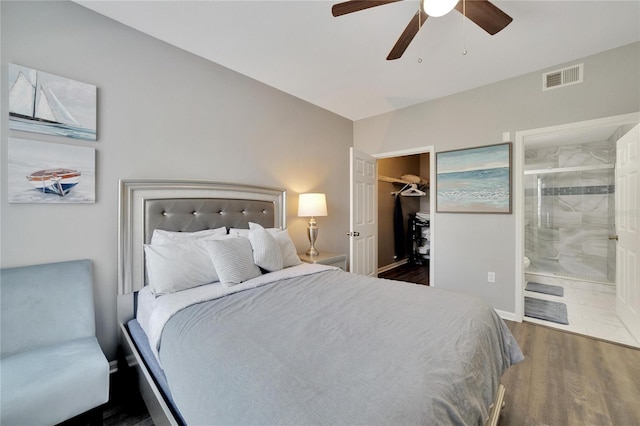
(468, 246)
(162, 113)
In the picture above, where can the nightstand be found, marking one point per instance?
(326, 258)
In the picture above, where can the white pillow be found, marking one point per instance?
(233, 260)
(160, 236)
(266, 250)
(178, 266)
(287, 249)
(243, 232)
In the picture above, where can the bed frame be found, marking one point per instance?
(181, 205)
(185, 205)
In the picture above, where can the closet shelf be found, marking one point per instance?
(417, 180)
(393, 180)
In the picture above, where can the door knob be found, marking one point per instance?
(353, 234)
(613, 237)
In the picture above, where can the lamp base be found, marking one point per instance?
(312, 233)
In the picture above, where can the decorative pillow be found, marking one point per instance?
(287, 249)
(176, 266)
(266, 250)
(243, 232)
(233, 260)
(160, 236)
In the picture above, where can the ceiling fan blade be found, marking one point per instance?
(485, 14)
(408, 34)
(357, 5)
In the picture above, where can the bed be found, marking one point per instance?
(292, 343)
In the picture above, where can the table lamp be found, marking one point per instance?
(312, 205)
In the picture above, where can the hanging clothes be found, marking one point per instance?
(398, 228)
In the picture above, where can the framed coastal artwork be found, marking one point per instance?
(474, 180)
(46, 103)
(44, 172)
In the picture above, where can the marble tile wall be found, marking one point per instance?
(569, 215)
(595, 153)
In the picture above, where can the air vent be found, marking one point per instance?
(563, 77)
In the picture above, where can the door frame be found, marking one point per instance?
(518, 186)
(430, 149)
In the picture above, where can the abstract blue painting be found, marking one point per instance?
(474, 180)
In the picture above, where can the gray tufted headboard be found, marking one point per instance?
(186, 206)
(196, 214)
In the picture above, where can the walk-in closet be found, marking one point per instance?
(404, 232)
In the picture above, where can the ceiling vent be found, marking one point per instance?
(564, 77)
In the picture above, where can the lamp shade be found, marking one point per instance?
(312, 204)
(437, 8)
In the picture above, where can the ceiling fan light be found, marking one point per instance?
(437, 8)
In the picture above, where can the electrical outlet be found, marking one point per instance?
(491, 277)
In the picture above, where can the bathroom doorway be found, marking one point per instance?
(568, 223)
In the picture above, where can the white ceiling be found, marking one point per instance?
(339, 64)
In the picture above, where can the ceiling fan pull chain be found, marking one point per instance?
(464, 33)
(419, 27)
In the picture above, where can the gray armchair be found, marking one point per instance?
(51, 366)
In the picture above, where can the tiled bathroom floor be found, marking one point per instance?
(591, 308)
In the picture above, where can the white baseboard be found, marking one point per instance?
(509, 316)
(393, 265)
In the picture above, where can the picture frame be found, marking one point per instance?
(475, 180)
(49, 104)
(50, 173)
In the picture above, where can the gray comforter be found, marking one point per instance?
(337, 348)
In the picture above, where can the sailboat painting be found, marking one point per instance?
(46, 103)
(43, 172)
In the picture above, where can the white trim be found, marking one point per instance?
(393, 265)
(509, 316)
(581, 125)
(430, 149)
(403, 152)
(518, 204)
(518, 189)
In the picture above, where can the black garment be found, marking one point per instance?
(398, 228)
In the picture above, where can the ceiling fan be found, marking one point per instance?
(484, 13)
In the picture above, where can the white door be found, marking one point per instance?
(363, 245)
(627, 228)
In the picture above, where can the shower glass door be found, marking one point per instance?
(569, 217)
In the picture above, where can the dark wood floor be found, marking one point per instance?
(418, 274)
(566, 379)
